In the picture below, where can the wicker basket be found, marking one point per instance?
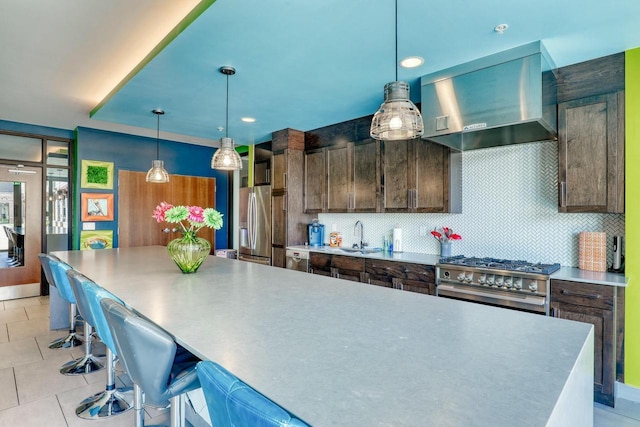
(593, 251)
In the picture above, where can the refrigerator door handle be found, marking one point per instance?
(253, 220)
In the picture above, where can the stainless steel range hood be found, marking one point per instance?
(505, 98)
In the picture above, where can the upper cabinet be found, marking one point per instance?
(417, 177)
(343, 178)
(591, 136)
(591, 154)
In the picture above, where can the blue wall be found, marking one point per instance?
(135, 153)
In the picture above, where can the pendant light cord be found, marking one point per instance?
(396, 18)
(158, 138)
(226, 125)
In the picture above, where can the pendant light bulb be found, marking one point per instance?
(157, 174)
(397, 118)
(226, 157)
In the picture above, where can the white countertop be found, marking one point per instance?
(565, 273)
(336, 352)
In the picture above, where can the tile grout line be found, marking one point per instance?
(15, 385)
(61, 410)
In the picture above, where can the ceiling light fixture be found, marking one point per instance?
(19, 170)
(501, 28)
(157, 174)
(226, 157)
(248, 119)
(397, 118)
(412, 62)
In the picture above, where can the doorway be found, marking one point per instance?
(21, 234)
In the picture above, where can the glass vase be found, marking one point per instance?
(188, 252)
(445, 249)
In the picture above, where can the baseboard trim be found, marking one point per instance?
(627, 392)
(19, 291)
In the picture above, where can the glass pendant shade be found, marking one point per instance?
(397, 118)
(157, 173)
(226, 157)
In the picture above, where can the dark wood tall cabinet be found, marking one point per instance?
(289, 222)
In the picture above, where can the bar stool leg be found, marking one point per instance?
(138, 405)
(86, 364)
(70, 340)
(110, 402)
(178, 411)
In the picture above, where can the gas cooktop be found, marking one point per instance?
(501, 264)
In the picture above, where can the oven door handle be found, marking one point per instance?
(529, 299)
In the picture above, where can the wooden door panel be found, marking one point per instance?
(366, 177)
(137, 199)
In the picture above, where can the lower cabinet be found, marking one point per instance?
(338, 266)
(391, 274)
(399, 275)
(594, 304)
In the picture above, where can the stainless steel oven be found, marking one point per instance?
(298, 260)
(504, 283)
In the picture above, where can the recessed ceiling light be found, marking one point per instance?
(411, 62)
(501, 28)
(248, 119)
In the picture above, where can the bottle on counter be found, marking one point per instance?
(335, 237)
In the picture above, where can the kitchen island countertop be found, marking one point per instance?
(336, 352)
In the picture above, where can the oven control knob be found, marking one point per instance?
(482, 279)
(469, 278)
(533, 286)
(490, 280)
(499, 281)
(460, 277)
(517, 284)
(508, 282)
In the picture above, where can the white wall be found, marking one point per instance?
(509, 210)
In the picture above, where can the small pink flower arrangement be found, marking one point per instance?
(445, 235)
(190, 218)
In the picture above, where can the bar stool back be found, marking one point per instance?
(111, 401)
(231, 402)
(71, 340)
(159, 368)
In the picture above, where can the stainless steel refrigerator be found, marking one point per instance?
(255, 224)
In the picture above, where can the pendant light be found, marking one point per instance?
(397, 118)
(157, 174)
(226, 157)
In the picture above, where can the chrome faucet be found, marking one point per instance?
(355, 228)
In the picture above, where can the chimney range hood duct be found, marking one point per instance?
(506, 98)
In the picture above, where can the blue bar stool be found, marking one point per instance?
(233, 403)
(112, 401)
(161, 370)
(71, 340)
(87, 363)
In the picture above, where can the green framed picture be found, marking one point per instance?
(96, 239)
(96, 174)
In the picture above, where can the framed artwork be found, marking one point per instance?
(96, 174)
(96, 239)
(97, 207)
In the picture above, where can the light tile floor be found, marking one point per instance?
(34, 393)
(32, 390)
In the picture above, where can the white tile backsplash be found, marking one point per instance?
(509, 210)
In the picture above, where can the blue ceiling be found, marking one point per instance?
(308, 64)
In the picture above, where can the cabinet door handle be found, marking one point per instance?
(284, 179)
(415, 198)
(409, 201)
(576, 294)
(284, 202)
(563, 194)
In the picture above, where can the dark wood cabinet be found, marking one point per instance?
(399, 275)
(343, 178)
(591, 154)
(365, 188)
(338, 266)
(594, 304)
(416, 176)
(288, 220)
(314, 181)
